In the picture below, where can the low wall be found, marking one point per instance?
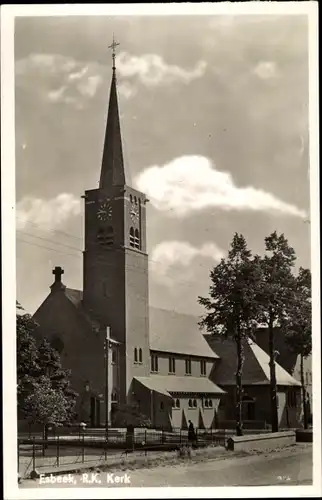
(261, 441)
(304, 435)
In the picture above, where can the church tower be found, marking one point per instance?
(115, 256)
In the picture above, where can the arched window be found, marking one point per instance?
(135, 200)
(195, 403)
(114, 357)
(114, 397)
(161, 405)
(177, 403)
(140, 355)
(190, 403)
(132, 244)
(135, 355)
(173, 403)
(210, 403)
(206, 403)
(137, 239)
(131, 198)
(105, 236)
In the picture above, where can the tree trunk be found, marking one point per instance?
(305, 419)
(273, 391)
(239, 386)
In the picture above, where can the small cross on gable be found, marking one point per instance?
(58, 272)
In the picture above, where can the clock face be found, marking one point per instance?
(104, 212)
(135, 214)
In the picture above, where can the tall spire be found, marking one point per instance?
(112, 171)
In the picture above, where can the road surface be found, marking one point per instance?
(288, 467)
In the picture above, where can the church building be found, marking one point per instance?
(121, 350)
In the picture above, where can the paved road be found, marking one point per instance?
(280, 468)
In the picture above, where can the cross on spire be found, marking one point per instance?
(58, 272)
(113, 46)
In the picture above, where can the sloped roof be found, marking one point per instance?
(75, 296)
(282, 376)
(179, 333)
(171, 383)
(256, 364)
(170, 331)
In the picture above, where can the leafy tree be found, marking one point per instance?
(126, 415)
(43, 391)
(50, 365)
(27, 358)
(47, 405)
(275, 296)
(232, 307)
(299, 332)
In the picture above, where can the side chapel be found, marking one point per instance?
(118, 348)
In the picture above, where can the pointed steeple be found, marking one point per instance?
(112, 171)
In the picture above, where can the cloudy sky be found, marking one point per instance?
(214, 117)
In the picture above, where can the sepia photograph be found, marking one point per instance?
(160, 239)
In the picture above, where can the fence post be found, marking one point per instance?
(83, 449)
(57, 451)
(33, 454)
(145, 437)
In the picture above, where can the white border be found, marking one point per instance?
(8, 13)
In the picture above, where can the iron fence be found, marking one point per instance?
(62, 449)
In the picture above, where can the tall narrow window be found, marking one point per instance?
(190, 403)
(203, 367)
(154, 363)
(188, 366)
(140, 355)
(132, 244)
(172, 365)
(135, 355)
(114, 358)
(137, 243)
(105, 236)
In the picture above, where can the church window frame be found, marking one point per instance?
(140, 355)
(132, 237)
(105, 236)
(154, 363)
(203, 368)
(195, 403)
(178, 403)
(210, 403)
(135, 355)
(292, 397)
(172, 364)
(190, 403)
(114, 396)
(114, 356)
(137, 239)
(161, 405)
(188, 366)
(206, 403)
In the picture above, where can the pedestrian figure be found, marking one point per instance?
(82, 428)
(191, 432)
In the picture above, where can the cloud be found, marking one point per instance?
(170, 256)
(151, 70)
(192, 183)
(125, 89)
(266, 70)
(48, 213)
(60, 79)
